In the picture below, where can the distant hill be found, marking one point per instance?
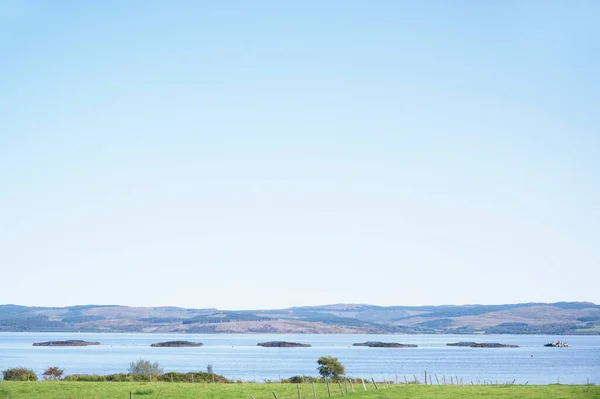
(522, 318)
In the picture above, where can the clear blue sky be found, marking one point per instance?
(266, 154)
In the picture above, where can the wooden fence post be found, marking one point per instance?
(328, 389)
(298, 386)
(314, 390)
(363, 382)
(341, 390)
(274, 394)
(373, 379)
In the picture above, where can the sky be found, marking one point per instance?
(267, 154)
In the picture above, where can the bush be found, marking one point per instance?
(167, 377)
(120, 377)
(330, 367)
(19, 374)
(86, 377)
(144, 369)
(53, 373)
(199, 376)
(299, 379)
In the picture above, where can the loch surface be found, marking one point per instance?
(237, 356)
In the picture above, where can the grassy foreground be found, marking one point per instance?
(110, 390)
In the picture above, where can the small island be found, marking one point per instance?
(482, 345)
(282, 344)
(176, 344)
(378, 344)
(71, 342)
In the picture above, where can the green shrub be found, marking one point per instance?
(144, 370)
(167, 377)
(299, 379)
(53, 373)
(86, 377)
(19, 374)
(330, 367)
(120, 377)
(199, 376)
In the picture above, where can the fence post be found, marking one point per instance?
(328, 389)
(373, 379)
(298, 386)
(341, 390)
(274, 394)
(314, 390)
(363, 382)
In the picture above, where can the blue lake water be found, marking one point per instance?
(236, 356)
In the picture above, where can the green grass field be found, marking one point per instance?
(113, 390)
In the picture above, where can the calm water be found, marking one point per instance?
(237, 356)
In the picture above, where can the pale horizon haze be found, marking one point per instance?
(265, 154)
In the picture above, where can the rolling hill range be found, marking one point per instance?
(523, 318)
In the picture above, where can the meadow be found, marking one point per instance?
(166, 390)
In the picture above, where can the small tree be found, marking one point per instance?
(330, 367)
(209, 369)
(53, 373)
(19, 374)
(145, 368)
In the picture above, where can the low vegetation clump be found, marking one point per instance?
(19, 374)
(301, 379)
(198, 376)
(120, 377)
